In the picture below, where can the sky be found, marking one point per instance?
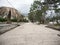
(22, 5)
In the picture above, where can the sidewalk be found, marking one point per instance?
(30, 34)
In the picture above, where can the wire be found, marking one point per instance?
(10, 3)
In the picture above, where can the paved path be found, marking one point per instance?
(30, 34)
(6, 27)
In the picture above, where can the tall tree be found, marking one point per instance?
(38, 8)
(55, 4)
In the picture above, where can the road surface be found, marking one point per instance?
(30, 34)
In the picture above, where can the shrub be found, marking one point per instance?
(24, 20)
(14, 20)
(2, 19)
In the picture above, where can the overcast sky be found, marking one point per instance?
(22, 5)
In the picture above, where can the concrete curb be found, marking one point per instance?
(52, 27)
(6, 30)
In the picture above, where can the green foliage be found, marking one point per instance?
(52, 1)
(24, 20)
(31, 17)
(38, 15)
(35, 14)
(44, 8)
(55, 4)
(54, 18)
(2, 19)
(14, 20)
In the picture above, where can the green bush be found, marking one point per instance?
(14, 20)
(2, 19)
(24, 20)
(57, 24)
